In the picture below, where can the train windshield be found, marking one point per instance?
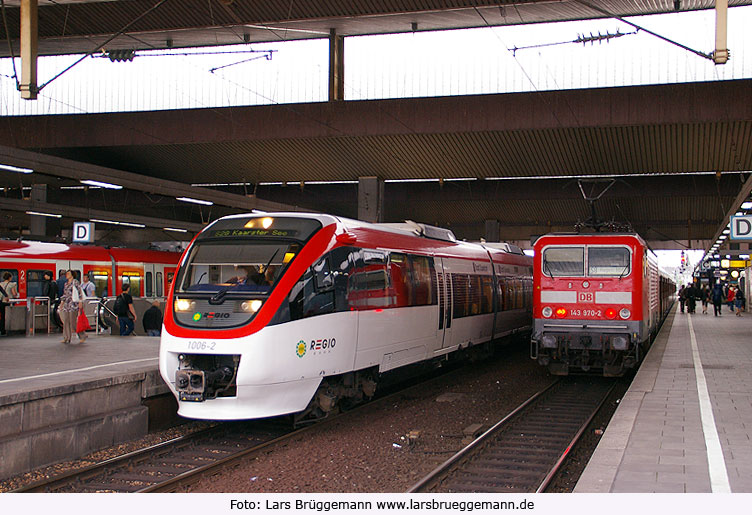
(245, 266)
(608, 261)
(564, 261)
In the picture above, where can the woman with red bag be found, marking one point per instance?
(72, 308)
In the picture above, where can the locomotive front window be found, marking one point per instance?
(608, 261)
(564, 261)
(237, 266)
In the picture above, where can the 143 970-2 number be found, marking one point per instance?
(586, 313)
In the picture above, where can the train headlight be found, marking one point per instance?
(547, 312)
(625, 313)
(619, 343)
(184, 305)
(251, 306)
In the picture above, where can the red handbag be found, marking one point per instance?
(82, 323)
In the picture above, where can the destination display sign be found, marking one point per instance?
(260, 233)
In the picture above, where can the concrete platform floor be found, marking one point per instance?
(685, 425)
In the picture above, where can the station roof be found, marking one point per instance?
(80, 26)
(680, 151)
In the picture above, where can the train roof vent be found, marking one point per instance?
(423, 230)
(506, 247)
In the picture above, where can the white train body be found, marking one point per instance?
(341, 303)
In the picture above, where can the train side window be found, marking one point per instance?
(424, 280)
(402, 292)
(461, 300)
(368, 281)
(322, 274)
(159, 283)
(486, 294)
(149, 284)
(101, 282)
(34, 282)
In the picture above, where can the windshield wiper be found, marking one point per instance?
(546, 267)
(626, 269)
(270, 261)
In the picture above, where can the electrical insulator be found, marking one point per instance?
(121, 55)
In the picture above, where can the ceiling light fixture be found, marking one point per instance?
(15, 169)
(39, 213)
(113, 222)
(174, 229)
(195, 201)
(100, 184)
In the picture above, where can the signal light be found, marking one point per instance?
(611, 313)
(561, 312)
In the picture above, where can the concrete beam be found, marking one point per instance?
(59, 167)
(82, 213)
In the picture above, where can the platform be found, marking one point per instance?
(60, 401)
(685, 425)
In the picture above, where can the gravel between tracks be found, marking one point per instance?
(370, 451)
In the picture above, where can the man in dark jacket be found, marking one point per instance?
(153, 320)
(717, 297)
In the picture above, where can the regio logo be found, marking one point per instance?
(300, 349)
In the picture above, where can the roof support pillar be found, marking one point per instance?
(38, 223)
(29, 38)
(493, 231)
(336, 66)
(721, 53)
(371, 199)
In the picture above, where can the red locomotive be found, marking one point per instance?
(598, 300)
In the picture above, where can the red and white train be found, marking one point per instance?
(148, 272)
(295, 313)
(598, 300)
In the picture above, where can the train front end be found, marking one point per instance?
(589, 299)
(225, 352)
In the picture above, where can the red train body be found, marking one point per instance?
(148, 272)
(598, 300)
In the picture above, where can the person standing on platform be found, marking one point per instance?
(49, 287)
(739, 301)
(124, 311)
(705, 298)
(153, 320)
(730, 298)
(88, 286)
(71, 303)
(717, 297)
(690, 292)
(61, 280)
(8, 291)
(682, 297)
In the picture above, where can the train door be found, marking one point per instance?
(149, 282)
(445, 302)
(78, 269)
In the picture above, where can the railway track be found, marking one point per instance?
(523, 451)
(164, 466)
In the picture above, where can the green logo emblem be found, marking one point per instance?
(300, 349)
(196, 317)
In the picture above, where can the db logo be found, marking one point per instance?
(585, 296)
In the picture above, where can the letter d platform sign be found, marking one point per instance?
(741, 227)
(83, 232)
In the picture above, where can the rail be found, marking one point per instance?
(523, 451)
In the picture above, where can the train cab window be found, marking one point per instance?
(34, 282)
(149, 284)
(564, 261)
(322, 275)
(160, 289)
(609, 261)
(424, 280)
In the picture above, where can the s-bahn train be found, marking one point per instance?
(599, 298)
(148, 272)
(291, 313)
